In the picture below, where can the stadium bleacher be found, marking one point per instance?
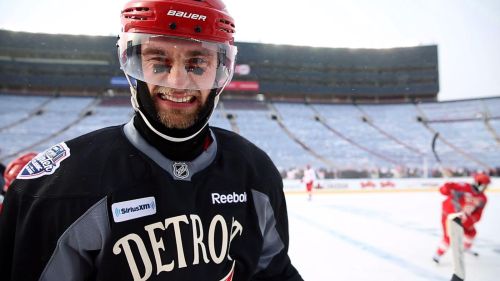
(356, 137)
(349, 112)
(465, 125)
(39, 131)
(31, 62)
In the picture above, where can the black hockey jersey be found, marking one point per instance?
(109, 206)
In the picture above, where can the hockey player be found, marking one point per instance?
(13, 168)
(309, 179)
(467, 199)
(165, 196)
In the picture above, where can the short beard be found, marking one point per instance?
(178, 118)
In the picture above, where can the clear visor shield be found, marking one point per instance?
(176, 63)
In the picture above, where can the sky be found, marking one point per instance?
(467, 32)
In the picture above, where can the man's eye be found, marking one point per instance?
(195, 69)
(196, 65)
(161, 68)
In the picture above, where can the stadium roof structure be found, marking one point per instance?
(88, 65)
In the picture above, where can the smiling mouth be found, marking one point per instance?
(176, 99)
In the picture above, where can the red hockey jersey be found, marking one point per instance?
(462, 197)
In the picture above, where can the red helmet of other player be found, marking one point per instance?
(481, 181)
(14, 167)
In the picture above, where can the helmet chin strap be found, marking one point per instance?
(135, 105)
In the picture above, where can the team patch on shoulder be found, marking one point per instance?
(45, 163)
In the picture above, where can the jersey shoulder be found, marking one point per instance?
(81, 166)
(243, 153)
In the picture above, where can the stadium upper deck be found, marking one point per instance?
(31, 62)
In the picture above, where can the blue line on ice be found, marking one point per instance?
(373, 250)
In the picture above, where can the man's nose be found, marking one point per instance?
(178, 77)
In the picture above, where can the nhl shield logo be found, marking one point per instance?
(180, 170)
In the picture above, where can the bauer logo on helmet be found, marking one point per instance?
(187, 15)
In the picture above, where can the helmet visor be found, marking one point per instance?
(175, 62)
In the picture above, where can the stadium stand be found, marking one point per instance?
(49, 63)
(259, 127)
(88, 65)
(56, 116)
(462, 127)
(311, 73)
(385, 140)
(348, 112)
(19, 109)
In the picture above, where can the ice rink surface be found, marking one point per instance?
(383, 236)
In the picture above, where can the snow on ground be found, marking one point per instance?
(383, 236)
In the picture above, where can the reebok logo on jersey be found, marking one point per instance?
(133, 209)
(234, 197)
(45, 163)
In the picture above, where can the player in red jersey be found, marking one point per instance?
(309, 179)
(11, 171)
(467, 199)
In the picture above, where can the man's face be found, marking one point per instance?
(180, 76)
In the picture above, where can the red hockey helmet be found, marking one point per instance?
(191, 19)
(162, 26)
(15, 167)
(481, 178)
(481, 181)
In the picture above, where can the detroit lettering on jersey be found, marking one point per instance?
(204, 248)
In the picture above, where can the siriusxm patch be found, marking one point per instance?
(133, 209)
(45, 163)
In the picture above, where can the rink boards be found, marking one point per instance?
(380, 185)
